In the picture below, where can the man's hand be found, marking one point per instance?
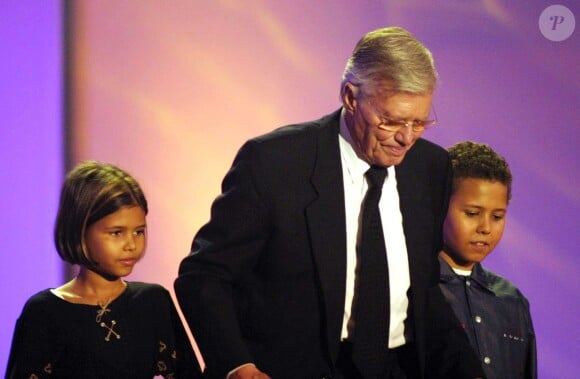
(249, 371)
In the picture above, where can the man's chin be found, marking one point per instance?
(389, 161)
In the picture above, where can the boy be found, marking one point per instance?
(494, 313)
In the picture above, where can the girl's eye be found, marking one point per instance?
(115, 233)
(471, 213)
(140, 232)
(498, 217)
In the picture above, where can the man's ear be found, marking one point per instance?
(350, 97)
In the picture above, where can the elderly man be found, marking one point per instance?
(320, 257)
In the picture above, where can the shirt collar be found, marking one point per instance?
(357, 166)
(478, 275)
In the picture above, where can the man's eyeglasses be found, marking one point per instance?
(393, 126)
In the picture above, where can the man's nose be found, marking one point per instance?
(405, 135)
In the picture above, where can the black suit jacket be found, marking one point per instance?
(265, 279)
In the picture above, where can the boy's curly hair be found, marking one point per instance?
(479, 161)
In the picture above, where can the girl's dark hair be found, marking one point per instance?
(91, 191)
(479, 161)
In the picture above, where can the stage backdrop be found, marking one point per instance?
(31, 154)
(169, 90)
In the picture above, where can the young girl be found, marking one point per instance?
(98, 325)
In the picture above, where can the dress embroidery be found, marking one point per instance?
(111, 331)
(48, 368)
(161, 366)
(102, 312)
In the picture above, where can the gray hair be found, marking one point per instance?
(394, 56)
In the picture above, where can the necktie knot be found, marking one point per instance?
(376, 176)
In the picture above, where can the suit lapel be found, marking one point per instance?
(407, 204)
(415, 207)
(327, 229)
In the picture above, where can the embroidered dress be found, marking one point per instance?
(137, 335)
(496, 317)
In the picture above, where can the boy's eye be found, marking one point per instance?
(471, 213)
(140, 232)
(115, 233)
(498, 217)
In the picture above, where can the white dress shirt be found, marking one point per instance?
(355, 187)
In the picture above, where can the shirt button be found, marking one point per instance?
(478, 319)
(467, 283)
(487, 360)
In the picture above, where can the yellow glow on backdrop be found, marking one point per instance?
(169, 93)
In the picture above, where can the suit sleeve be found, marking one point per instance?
(223, 253)
(449, 353)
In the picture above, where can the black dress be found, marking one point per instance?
(138, 335)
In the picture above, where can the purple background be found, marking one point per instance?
(31, 153)
(502, 83)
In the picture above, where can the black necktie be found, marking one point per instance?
(371, 328)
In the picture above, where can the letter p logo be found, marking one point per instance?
(556, 20)
(557, 23)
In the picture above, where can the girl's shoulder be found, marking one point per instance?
(145, 287)
(147, 299)
(138, 290)
(45, 306)
(41, 300)
(41, 297)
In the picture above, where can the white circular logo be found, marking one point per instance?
(557, 23)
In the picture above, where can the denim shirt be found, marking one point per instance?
(496, 317)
